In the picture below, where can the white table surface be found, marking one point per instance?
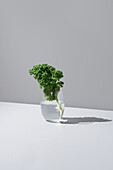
(28, 142)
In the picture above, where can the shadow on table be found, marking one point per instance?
(83, 120)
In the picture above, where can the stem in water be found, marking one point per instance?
(60, 106)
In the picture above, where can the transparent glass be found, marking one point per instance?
(53, 111)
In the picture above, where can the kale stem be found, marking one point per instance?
(60, 106)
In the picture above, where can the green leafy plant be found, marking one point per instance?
(49, 80)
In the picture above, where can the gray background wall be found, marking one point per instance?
(74, 36)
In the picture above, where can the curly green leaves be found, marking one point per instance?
(49, 79)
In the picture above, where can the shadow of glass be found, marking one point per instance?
(83, 120)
